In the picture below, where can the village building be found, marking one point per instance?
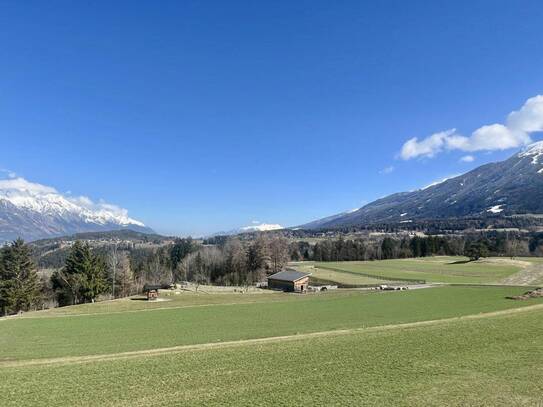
(289, 280)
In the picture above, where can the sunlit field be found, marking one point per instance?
(454, 270)
(216, 348)
(449, 363)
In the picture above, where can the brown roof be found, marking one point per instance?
(288, 275)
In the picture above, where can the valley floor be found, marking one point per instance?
(444, 345)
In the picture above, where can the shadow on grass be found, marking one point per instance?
(460, 262)
(138, 299)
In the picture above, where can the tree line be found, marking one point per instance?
(87, 273)
(383, 248)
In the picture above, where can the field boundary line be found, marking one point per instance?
(255, 341)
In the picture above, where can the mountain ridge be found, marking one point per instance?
(510, 187)
(34, 211)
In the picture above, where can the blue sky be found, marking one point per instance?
(200, 116)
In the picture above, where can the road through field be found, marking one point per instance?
(215, 345)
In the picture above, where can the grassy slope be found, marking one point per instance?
(433, 269)
(120, 332)
(491, 361)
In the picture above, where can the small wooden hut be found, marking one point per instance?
(151, 291)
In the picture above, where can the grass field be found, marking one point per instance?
(452, 270)
(333, 276)
(488, 362)
(29, 338)
(170, 301)
(344, 348)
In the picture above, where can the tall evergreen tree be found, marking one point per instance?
(19, 282)
(387, 248)
(83, 277)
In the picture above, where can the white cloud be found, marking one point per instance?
(99, 207)
(22, 185)
(9, 173)
(467, 159)
(514, 133)
(427, 147)
(529, 118)
(387, 170)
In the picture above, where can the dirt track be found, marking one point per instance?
(219, 345)
(531, 274)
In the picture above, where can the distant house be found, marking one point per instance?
(151, 291)
(289, 280)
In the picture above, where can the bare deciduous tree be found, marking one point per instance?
(279, 256)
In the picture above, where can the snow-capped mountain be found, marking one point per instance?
(34, 211)
(510, 187)
(256, 227)
(263, 227)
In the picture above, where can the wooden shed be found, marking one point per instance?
(289, 280)
(151, 291)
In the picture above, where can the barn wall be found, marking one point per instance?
(280, 285)
(303, 282)
(288, 285)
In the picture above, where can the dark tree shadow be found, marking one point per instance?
(460, 262)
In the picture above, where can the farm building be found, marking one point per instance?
(151, 291)
(289, 280)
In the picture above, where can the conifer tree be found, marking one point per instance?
(19, 282)
(83, 277)
(387, 248)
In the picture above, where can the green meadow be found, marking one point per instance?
(168, 300)
(31, 338)
(493, 361)
(451, 270)
(320, 276)
(342, 347)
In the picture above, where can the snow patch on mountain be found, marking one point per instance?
(441, 181)
(534, 151)
(496, 209)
